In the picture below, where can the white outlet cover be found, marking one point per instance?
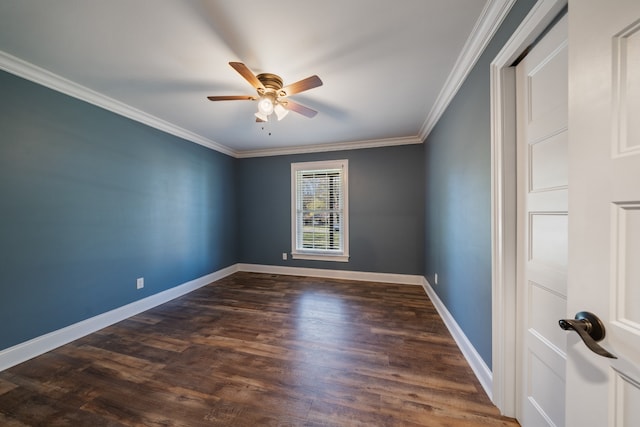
(140, 283)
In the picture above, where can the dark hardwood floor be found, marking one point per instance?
(259, 350)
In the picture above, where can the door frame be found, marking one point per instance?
(503, 202)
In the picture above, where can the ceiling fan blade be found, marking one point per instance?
(299, 108)
(247, 74)
(232, 98)
(301, 86)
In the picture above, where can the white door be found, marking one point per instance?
(604, 209)
(541, 84)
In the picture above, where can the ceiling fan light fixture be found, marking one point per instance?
(280, 111)
(266, 104)
(262, 117)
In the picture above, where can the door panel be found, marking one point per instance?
(550, 410)
(541, 81)
(626, 398)
(548, 233)
(549, 163)
(626, 56)
(604, 204)
(626, 247)
(554, 304)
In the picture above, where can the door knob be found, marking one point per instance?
(590, 328)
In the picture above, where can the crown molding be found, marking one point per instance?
(53, 81)
(488, 23)
(340, 146)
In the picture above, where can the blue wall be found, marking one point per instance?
(458, 197)
(386, 209)
(89, 201)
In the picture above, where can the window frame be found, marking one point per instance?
(320, 254)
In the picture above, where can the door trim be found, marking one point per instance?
(503, 202)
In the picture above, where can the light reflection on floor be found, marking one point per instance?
(319, 317)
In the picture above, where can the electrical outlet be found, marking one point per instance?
(284, 256)
(436, 278)
(140, 283)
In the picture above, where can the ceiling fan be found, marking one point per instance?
(272, 96)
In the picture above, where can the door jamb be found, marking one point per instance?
(503, 202)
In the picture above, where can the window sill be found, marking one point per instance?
(320, 257)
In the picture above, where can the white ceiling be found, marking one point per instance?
(388, 67)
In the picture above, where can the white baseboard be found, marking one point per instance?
(29, 349)
(482, 371)
(402, 279)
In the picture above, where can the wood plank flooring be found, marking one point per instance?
(259, 350)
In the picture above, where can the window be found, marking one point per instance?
(319, 214)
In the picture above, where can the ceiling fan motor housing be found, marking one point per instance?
(271, 82)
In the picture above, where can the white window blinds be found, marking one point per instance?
(319, 220)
